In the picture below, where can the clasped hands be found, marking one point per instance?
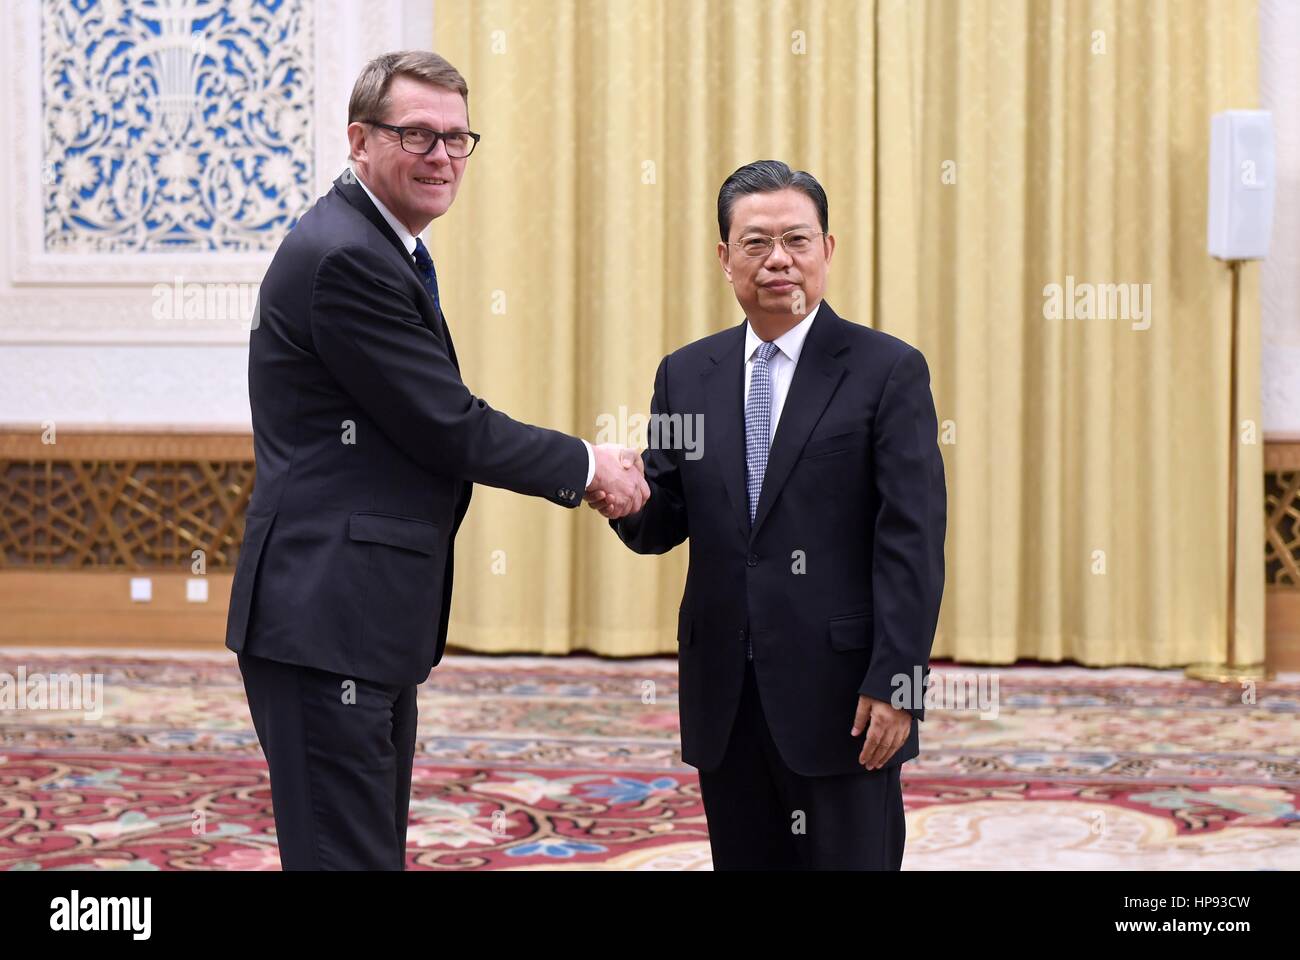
(619, 487)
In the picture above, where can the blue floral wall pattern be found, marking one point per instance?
(175, 125)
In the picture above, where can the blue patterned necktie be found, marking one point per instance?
(758, 423)
(424, 265)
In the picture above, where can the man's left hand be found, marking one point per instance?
(887, 729)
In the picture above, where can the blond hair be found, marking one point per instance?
(370, 98)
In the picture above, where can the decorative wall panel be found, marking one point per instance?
(1282, 511)
(177, 125)
(133, 501)
(152, 143)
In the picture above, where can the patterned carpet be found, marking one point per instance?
(563, 763)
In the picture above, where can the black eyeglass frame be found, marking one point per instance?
(436, 134)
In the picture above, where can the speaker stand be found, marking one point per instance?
(1230, 671)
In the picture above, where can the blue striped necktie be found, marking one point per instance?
(758, 423)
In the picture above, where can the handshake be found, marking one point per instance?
(618, 487)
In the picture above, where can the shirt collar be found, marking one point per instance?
(405, 236)
(790, 343)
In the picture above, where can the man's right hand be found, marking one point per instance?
(619, 486)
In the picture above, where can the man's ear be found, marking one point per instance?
(830, 249)
(357, 141)
(723, 259)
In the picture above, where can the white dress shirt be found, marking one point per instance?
(781, 367)
(408, 241)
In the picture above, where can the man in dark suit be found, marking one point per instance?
(367, 443)
(815, 514)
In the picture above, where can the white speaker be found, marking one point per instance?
(1241, 184)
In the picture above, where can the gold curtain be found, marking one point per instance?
(974, 152)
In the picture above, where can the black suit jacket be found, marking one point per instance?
(346, 563)
(838, 581)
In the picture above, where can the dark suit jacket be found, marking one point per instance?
(854, 486)
(346, 563)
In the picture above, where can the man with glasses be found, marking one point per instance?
(816, 518)
(367, 443)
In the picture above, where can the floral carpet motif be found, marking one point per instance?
(573, 762)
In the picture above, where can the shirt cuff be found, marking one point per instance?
(591, 464)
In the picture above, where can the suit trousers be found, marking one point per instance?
(340, 751)
(763, 816)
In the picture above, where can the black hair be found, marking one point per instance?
(767, 176)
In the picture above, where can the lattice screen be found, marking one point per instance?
(96, 502)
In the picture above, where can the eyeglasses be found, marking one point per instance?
(794, 242)
(423, 141)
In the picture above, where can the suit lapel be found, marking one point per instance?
(446, 336)
(724, 419)
(355, 195)
(816, 376)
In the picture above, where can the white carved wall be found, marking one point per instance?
(155, 144)
(1279, 75)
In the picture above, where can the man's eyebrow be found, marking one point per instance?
(422, 126)
(754, 226)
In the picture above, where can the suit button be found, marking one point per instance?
(752, 560)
